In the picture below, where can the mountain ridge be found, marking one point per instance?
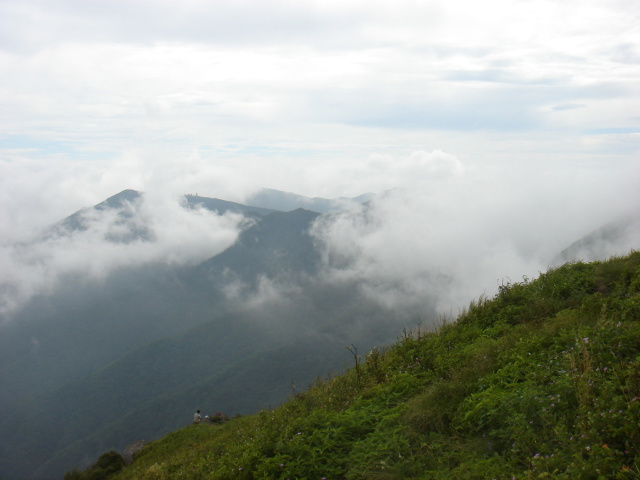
(286, 201)
(540, 381)
(86, 333)
(136, 310)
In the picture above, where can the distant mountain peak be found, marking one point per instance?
(223, 206)
(124, 204)
(286, 201)
(620, 235)
(120, 199)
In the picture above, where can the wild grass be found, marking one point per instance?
(541, 381)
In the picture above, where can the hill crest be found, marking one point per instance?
(540, 381)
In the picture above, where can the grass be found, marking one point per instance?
(541, 381)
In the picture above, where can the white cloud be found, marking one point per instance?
(171, 234)
(322, 98)
(452, 239)
(139, 74)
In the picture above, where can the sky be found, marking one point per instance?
(510, 122)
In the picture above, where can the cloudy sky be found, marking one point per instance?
(319, 97)
(520, 110)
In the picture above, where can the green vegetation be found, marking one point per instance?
(107, 464)
(542, 381)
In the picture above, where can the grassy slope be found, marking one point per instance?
(541, 381)
(266, 375)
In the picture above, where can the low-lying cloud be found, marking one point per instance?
(153, 230)
(460, 237)
(453, 232)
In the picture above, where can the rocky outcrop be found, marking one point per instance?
(130, 450)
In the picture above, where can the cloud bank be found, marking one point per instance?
(321, 98)
(454, 231)
(461, 233)
(317, 80)
(153, 230)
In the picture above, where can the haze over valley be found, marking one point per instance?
(125, 308)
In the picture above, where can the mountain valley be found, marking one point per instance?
(97, 362)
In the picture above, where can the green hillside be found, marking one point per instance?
(542, 381)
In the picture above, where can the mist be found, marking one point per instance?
(153, 229)
(193, 294)
(463, 233)
(436, 226)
